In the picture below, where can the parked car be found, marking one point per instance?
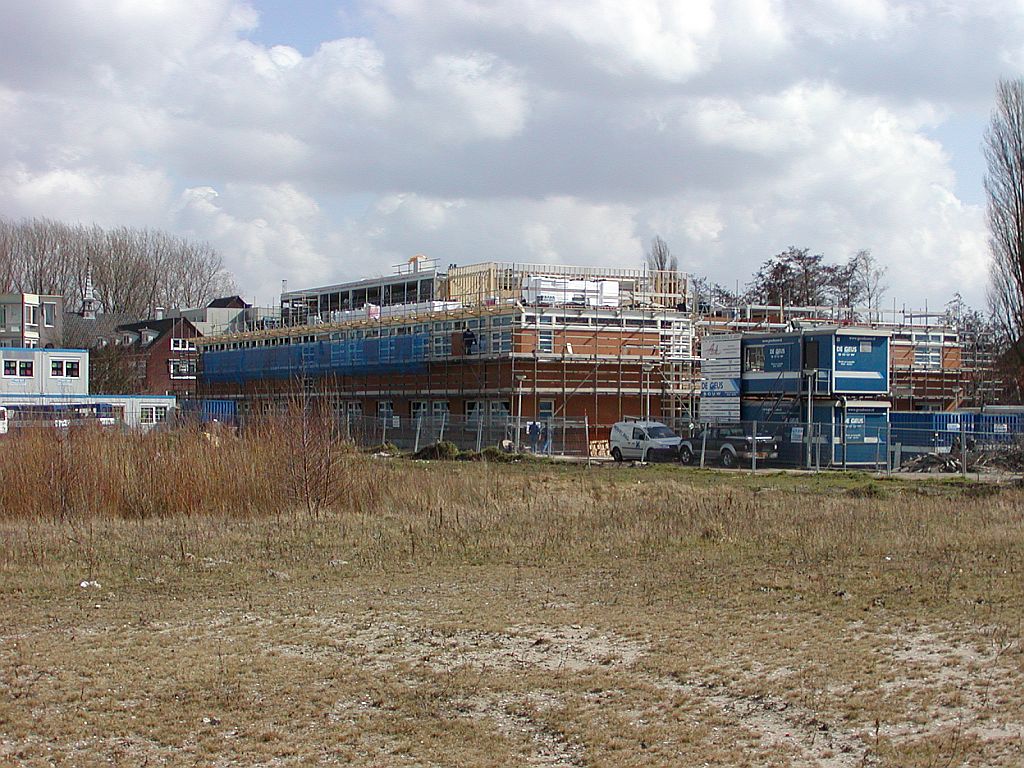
(729, 444)
(643, 441)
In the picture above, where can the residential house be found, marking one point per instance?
(30, 320)
(160, 354)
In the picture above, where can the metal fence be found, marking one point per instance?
(882, 447)
(852, 440)
(552, 437)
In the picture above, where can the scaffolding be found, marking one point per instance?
(571, 352)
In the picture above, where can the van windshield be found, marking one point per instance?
(656, 432)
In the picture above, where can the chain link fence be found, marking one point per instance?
(552, 437)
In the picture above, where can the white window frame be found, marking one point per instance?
(475, 410)
(181, 344)
(50, 321)
(181, 368)
(542, 406)
(60, 369)
(500, 410)
(31, 315)
(546, 340)
(150, 415)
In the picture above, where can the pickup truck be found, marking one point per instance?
(729, 444)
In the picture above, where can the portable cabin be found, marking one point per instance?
(843, 360)
(822, 391)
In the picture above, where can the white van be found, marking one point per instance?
(643, 441)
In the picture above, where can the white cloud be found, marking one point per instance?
(522, 130)
(471, 96)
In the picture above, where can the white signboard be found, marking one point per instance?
(720, 379)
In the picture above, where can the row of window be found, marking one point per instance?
(25, 369)
(493, 341)
(442, 330)
(499, 410)
(10, 314)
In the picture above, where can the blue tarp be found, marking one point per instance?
(341, 358)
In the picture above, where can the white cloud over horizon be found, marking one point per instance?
(524, 131)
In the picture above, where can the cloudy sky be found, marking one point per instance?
(320, 141)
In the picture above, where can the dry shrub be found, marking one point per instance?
(275, 468)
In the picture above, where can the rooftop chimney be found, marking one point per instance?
(158, 313)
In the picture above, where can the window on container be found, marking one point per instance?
(753, 359)
(147, 415)
(10, 367)
(57, 368)
(49, 314)
(160, 413)
(25, 368)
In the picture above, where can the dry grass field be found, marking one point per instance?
(173, 600)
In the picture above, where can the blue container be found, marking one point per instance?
(847, 361)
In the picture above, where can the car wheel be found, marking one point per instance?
(728, 459)
(616, 454)
(685, 455)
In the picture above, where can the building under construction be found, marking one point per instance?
(487, 342)
(492, 342)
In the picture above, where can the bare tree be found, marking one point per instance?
(869, 276)
(133, 271)
(1004, 188)
(660, 258)
(8, 266)
(663, 267)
